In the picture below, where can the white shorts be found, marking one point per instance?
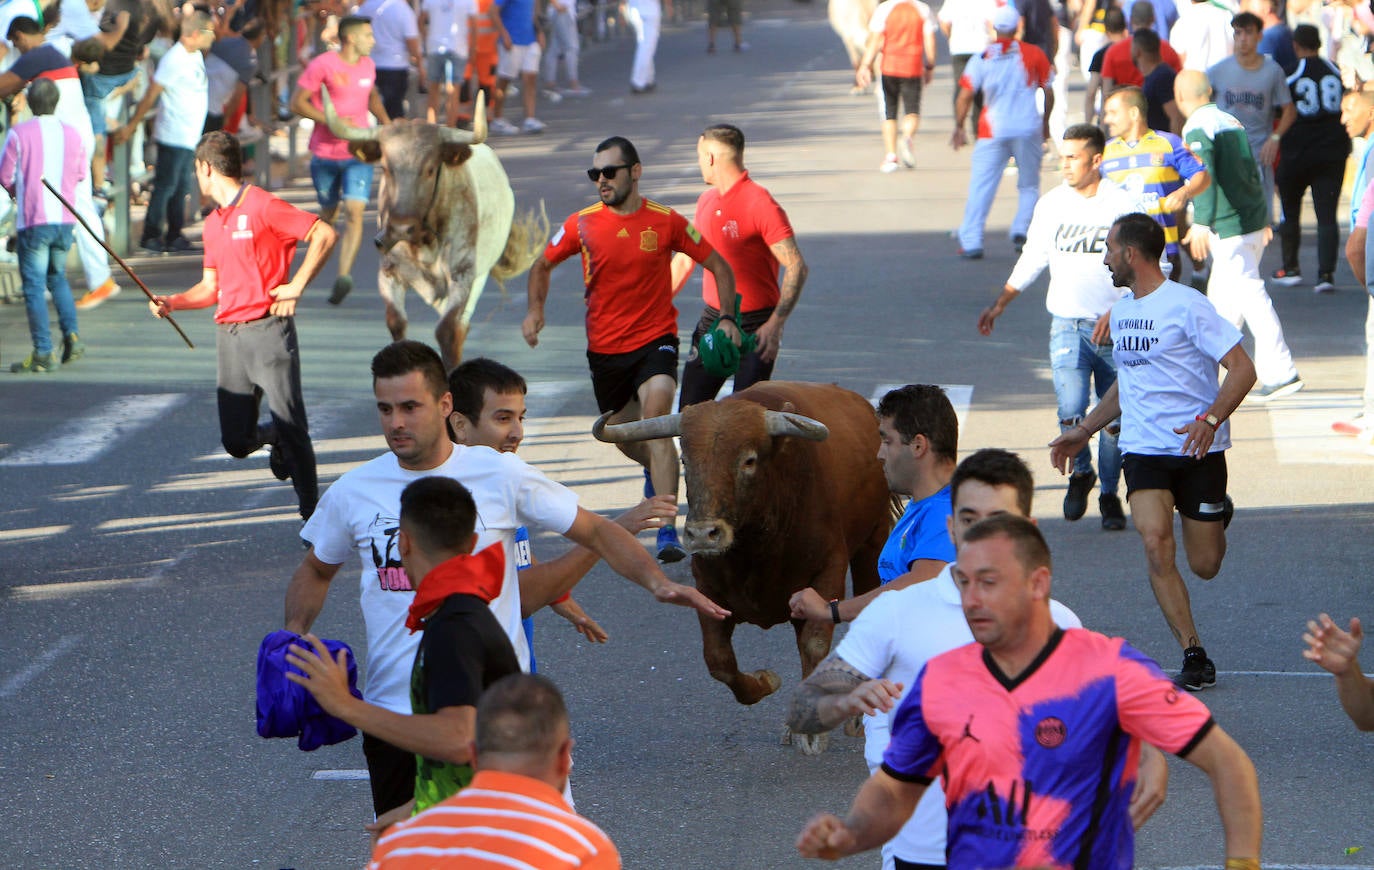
(518, 59)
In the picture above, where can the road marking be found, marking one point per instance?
(38, 665)
(29, 536)
(1301, 427)
(86, 437)
(177, 522)
(340, 775)
(48, 591)
(960, 396)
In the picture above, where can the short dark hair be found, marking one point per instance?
(88, 51)
(25, 25)
(1131, 95)
(1142, 13)
(1147, 41)
(1140, 231)
(253, 29)
(221, 150)
(439, 514)
(350, 23)
(1031, 550)
(627, 148)
(728, 135)
(1307, 36)
(469, 382)
(1114, 20)
(520, 714)
(405, 356)
(923, 409)
(1247, 21)
(1090, 133)
(43, 96)
(996, 467)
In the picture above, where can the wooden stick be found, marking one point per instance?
(118, 259)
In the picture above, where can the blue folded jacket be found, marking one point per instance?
(286, 709)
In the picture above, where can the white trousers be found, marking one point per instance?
(1237, 291)
(93, 259)
(645, 17)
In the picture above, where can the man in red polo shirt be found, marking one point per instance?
(1118, 69)
(627, 244)
(746, 226)
(250, 241)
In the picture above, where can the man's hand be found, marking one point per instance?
(1175, 201)
(1102, 329)
(1151, 785)
(285, 296)
(160, 306)
(389, 818)
(863, 76)
(120, 135)
(809, 605)
(585, 625)
(1197, 241)
(1200, 435)
(959, 138)
(987, 318)
(873, 697)
(686, 596)
(648, 514)
(825, 837)
(732, 331)
(1330, 646)
(533, 325)
(770, 339)
(1068, 445)
(1269, 152)
(325, 676)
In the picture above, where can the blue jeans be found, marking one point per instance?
(173, 180)
(335, 179)
(95, 87)
(1075, 360)
(42, 254)
(990, 157)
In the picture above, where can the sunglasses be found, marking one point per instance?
(607, 172)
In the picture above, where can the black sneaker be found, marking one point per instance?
(1076, 499)
(343, 285)
(153, 246)
(1018, 242)
(1326, 283)
(279, 462)
(1286, 277)
(1198, 672)
(1113, 517)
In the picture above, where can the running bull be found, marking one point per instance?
(446, 212)
(784, 491)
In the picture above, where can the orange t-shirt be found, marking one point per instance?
(625, 267)
(903, 25)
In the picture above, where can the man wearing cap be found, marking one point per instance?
(1008, 73)
(627, 244)
(746, 226)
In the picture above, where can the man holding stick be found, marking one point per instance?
(250, 240)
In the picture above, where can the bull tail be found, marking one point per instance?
(528, 235)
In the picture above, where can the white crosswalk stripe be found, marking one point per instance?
(89, 435)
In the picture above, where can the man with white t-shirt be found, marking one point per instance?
(359, 513)
(1202, 36)
(1169, 341)
(1067, 235)
(881, 654)
(965, 25)
(397, 50)
(447, 33)
(180, 121)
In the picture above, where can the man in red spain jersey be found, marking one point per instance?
(903, 32)
(250, 240)
(750, 230)
(627, 244)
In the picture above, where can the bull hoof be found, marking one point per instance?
(808, 744)
(854, 727)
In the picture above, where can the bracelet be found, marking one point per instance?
(1242, 864)
(729, 317)
(1086, 430)
(835, 610)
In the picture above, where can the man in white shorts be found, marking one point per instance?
(520, 56)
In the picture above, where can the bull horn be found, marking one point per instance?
(338, 126)
(666, 426)
(478, 134)
(782, 423)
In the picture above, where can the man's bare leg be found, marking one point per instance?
(1152, 511)
(1204, 543)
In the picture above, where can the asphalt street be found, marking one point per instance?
(140, 566)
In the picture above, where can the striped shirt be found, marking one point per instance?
(1151, 168)
(503, 820)
(42, 148)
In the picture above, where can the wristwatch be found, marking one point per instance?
(1209, 419)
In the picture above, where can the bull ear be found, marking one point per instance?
(454, 153)
(368, 152)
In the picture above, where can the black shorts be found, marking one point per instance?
(617, 377)
(908, 90)
(724, 13)
(391, 771)
(1198, 485)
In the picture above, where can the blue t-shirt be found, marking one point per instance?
(524, 559)
(1277, 42)
(921, 533)
(517, 16)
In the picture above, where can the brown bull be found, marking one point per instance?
(784, 491)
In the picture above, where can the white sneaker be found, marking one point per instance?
(578, 91)
(890, 164)
(553, 95)
(502, 127)
(248, 134)
(906, 152)
(533, 125)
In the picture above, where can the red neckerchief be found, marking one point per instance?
(481, 574)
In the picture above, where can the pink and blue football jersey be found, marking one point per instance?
(1039, 770)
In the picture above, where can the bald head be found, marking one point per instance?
(1192, 91)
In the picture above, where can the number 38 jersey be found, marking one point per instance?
(1318, 133)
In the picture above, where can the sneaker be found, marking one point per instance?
(1113, 517)
(669, 550)
(890, 164)
(98, 295)
(36, 363)
(552, 94)
(905, 152)
(153, 246)
(180, 245)
(1018, 242)
(1228, 510)
(743, 46)
(73, 348)
(1270, 392)
(1197, 672)
(279, 462)
(1326, 283)
(646, 89)
(578, 91)
(1286, 277)
(502, 127)
(533, 125)
(1076, 499)
(971, 253)
(248, 134)
(648, 485)
(343, 285)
